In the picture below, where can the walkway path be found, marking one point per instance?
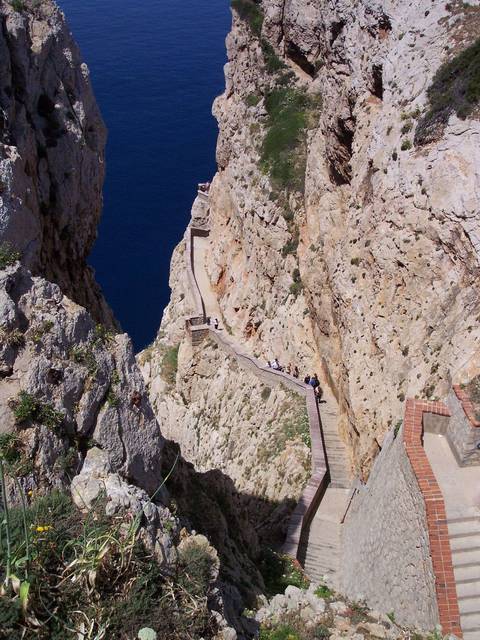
(321, 508)
(461, 489)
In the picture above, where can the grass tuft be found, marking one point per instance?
(8, 255)
(283, 152)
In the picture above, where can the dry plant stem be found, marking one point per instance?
(7, 523)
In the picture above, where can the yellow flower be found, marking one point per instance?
(42, 528)
(30, 493)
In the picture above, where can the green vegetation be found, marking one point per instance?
(297, 428)
(170, 364)
(12, 337)
(252, 99)
(455, 89)
(266, 391)
(251, 13)
(398, 426)
(38, 333)
(280, 632)
(18, 5)
(13, 456)
(27, 408)
(67, 576)
(8, 255)
(406, 145)
(290, 247)
(102, 336)
(355, 262)
(279, 571)
(272, 62)
(283, 152)
(323, 592)
(84, 355)
(297, 285)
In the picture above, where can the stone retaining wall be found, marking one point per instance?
(386, 546)
(396, 544)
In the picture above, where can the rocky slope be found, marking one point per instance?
(353, 248)
(52, 141)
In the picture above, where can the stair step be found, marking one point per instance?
(468, 589)
(465, 556)
(469, 606)
(463, 527)
(467, 573)
(465, 543)
(470, 620)
(473, 634)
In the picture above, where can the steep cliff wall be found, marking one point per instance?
(52, 141)
(343, 217)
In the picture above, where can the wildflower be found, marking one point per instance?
(30, 493)
(42, 528)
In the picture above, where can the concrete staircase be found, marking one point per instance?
(335, 448)
(464, 534)
(320, 547)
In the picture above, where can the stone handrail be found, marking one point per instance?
(199, 326)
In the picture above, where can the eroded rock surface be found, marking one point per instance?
(52, 141)
(382, 248)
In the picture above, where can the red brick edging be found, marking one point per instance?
(467, 405)
(436, 514)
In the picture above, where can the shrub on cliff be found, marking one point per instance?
(8, 255)
(251, 13)
(170, 364)
(455, 89)
(283, 152)
(68, 575)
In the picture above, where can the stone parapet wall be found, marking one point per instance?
(463, 430)
(386, 548)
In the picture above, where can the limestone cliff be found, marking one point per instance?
(343, 217)
(52, 141)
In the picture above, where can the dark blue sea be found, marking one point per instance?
(156, 66)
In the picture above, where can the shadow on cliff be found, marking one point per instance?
(238, 525)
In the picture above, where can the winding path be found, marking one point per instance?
(314, 531)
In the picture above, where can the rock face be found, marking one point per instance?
(52, 141)
(256, 435)
(367, 271)
(67, 384)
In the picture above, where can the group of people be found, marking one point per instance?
(214, 322)
(292, 370)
